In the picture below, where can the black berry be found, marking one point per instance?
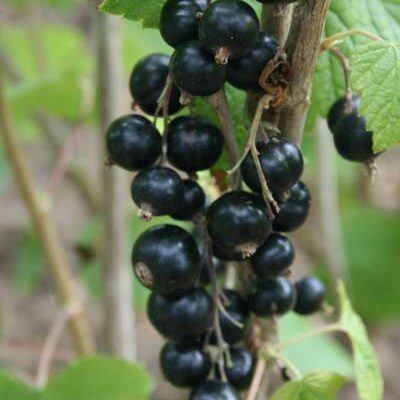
(234, 326)
(194, 201)
(241, 372)
(310, 295)
(352, 140)
(340, 108)
(194, 70)
(166, 259)
(228, 28)
(214, 390)
(183, 318)
(179, 20)
(244, 72)
(193, 143)
(147, 82)
(273, 257)
(272, 297)
(157, 191)
(238, 220)
(184, 364)
(281, 161)
(294, 210)
(133, 142)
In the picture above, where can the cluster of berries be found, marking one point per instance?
(213, 43)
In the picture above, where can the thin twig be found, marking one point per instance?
(220, 106)
(346, 68)
(257, 378)
(47, 233)
(221, 344)
(336, 38)
(50, 346)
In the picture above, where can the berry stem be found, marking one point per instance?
(346, 69)
(222, 346)
(220, 106)
(333, 40)
(258, 377)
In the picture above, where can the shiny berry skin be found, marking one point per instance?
(294, 211)
(165, 258)
(214, 390)
(244, 72)
(272, 297)
(340, 108)
(147, 82)
(352, 140)
(193, 143)
(310, 295)
(238, 310)
(273, 257)
(133, 142)
(241, 372)
(281, 161)
(194, 70)
(157, 191)
(230, 25)
(217, 264)
(193, 204)
(238, 221)
(179, 20)
(184, 318)
(185, 364)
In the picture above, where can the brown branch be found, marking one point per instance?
(302, 48)
(221, 108)
(276, 18)
(47, 233)
(50, 346)
(118, 311)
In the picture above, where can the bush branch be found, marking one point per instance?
(47, 233)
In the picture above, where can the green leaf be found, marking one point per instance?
(136, 10)
(100, 378)
(319, 352)
(314, 386)
(13, 389)
(377, 16)
(367, 372)
(375, 75)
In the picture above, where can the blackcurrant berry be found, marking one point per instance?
(185, 364)
(194, 201)
(194, 70)
(294, 211)
(238, 220)
(281, 161)
(179, 20)
(147, 82)
(133, 142)
(184, 318)
(217, 264)
(234, 326)
(272, 297)
(244, 72)
(157, 191)
(214, 390)
(193, 143)
(228, 28)
(352, 140)
(273, 257)
(310, 295)
(227, 254)
(241, 372)
(166, 259)
(340, 108)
